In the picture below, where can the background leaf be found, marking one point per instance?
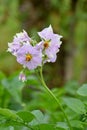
(14, 87)
(83, 90)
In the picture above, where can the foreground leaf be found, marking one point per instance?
(26, 116)
(44, 127)
(74, 124)
(62, 125)
(8, 114)
(75, 104)
(39, 118)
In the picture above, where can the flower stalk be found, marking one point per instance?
(54, 97)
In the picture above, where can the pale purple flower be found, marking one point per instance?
(13, 47)
(29, 56)
(19, 40)
(22, 37)
(22, 76)
(50, 44)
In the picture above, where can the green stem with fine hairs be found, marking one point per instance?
(54, 97)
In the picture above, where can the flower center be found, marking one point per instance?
(28, 57)
(46, 44)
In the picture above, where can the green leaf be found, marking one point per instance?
(7, 128)
(83, 90)
(10, 118)
(39, 115)
(14, 87)
(39, 118)
(75, 104)
(26, 116)
(76, 124)
(62, 125)
(8, 114)
(7, 123)
(44, 127)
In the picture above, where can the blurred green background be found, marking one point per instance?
(67, 17)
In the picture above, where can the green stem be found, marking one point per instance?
(54, 97)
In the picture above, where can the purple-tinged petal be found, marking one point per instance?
(50, 44)
(29, 56)
(22, 37)
(45, 33)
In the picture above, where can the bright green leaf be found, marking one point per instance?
(7, 123)
(26, 116)
(8, 114)
(44, 127)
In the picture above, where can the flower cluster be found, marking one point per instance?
(33, 55)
